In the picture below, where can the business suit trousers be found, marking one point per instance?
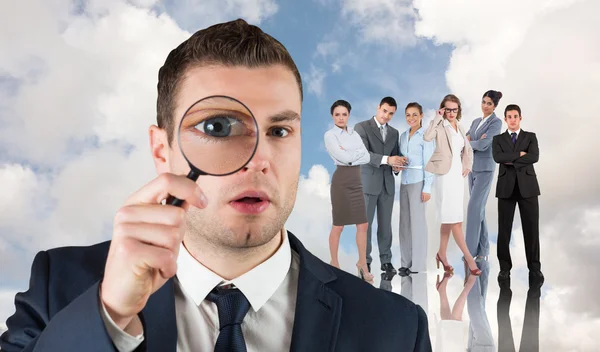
(384, 203)
(530, 216)
(413, 227)
(476, 234)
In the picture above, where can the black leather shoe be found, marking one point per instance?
(504, 275)
(388, 268)
(369, 266)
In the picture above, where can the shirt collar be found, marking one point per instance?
(377, 122)
(487, 117)
(258, 284)
(517, 131)
(349, 129)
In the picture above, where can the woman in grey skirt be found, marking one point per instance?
(347, 200)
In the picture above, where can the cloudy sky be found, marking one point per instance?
(77, 93)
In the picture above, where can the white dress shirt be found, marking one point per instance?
(384, 159)
(517, 132)
(346, 147)
(270, 287)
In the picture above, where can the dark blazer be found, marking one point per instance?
(335, 311)
(514, 168)
(374, 175)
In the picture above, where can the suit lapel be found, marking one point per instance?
(473, 130)
(508, 140)
(480, 130)
(520, 138)
(160, 325)
(447, 133)
(376, 130)
(318, 309)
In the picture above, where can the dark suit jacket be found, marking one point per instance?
(521, 170)
(374, 175)
(335, 311)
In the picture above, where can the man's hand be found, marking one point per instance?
(465, 172)
(425, 197)
(145, 245)
(521, 154)
(397, 160)
(482, 136)
(397, 168)
(469, 137)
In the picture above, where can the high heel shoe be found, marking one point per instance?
(368, 277)
(474, 272)
(447, 275)
(448, 267)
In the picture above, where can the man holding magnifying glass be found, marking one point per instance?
(219, 272)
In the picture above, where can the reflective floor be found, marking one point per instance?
(478, 313)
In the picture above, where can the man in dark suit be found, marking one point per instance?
(219, 273)
(516, 151)
(381, 140)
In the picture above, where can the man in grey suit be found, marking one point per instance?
(480, 135)
(379, 185)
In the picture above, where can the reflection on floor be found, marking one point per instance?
(450, 328)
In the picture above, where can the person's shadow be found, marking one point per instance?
(412, 286)
(480, 332)
(451, 330)
(530, 337)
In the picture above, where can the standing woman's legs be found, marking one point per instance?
(405, 238)
(418, 227)
(459, 238)
(361, 244)
(334, 244)
(445, 230)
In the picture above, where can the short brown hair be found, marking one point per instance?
(452, 98)
(234, 43)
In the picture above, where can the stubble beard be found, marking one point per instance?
(247, 234)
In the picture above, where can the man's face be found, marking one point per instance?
(385, 113)
(272, 95)
(513, 120)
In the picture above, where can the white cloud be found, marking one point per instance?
(315, 80)
(195, 14)
(387, 22)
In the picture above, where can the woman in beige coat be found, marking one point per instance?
(451, 161)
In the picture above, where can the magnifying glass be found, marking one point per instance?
(218, 136)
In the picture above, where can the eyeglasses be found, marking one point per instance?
(452, 110)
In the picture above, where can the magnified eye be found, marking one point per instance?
(220, 126)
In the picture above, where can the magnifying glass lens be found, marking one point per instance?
(218, 135)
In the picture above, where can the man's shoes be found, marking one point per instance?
(369, 266)
(536, 278)
(388, 268)
(504, 275)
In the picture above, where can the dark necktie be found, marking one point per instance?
(513, 136)
(232, 306)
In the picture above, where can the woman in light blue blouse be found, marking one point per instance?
(415, 191)
(348, 152)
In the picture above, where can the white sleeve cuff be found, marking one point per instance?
(122, 340)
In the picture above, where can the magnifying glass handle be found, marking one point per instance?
(192, 175)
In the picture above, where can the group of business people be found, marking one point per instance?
(433, 160)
